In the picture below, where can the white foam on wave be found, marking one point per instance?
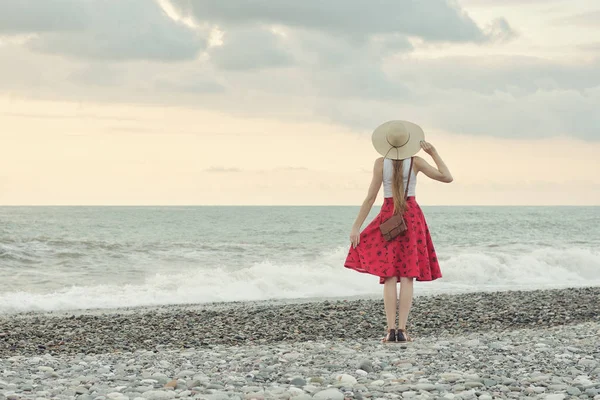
(470, 270)
(539, 268)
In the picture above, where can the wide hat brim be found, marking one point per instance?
(411, 135)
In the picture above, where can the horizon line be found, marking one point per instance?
(288, 205)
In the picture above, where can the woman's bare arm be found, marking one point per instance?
(441, 173)
(367, 204)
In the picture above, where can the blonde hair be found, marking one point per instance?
(398, 187)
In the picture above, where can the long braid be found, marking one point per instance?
(398, 187)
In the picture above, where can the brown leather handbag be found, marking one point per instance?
(395, 225)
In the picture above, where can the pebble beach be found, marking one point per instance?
(532, 344)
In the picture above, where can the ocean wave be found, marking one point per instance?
(32, 248)
(467, 270)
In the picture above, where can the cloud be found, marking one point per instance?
(97, 74)
(516, 75)
(303, 60)
(486, 3)
(190, 85)
(499, 30)
(594, 47)
(101, 30)
(250, 49)
(26, 16)
(541, 114)
(290, 169)
(435, 20)
(589, 18)
(220, 170)
(360, 80)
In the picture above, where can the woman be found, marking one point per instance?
(411, 254)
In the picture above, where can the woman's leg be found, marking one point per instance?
(390, 297)
(406, 296)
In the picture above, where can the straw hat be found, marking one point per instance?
(398, 140)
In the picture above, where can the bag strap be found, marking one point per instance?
(408, 182)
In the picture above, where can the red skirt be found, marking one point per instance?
(409, 255)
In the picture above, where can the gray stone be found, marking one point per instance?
(27, 387)
(468, 394)
(425, 386)
(366, 365)
(194, 383)
(592, 392)
(215, 386)
(556, 396)
(473, 384)
(540, 378)
(299, 382)
(81, 390)
(186, 373)
(556, 387)
(585, 362)
(329, 394)
(573, 391)
(302, 397)
(158, 395)
(346, 379)
(397, 389)
(451, 377)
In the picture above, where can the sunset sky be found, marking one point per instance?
(193, 102)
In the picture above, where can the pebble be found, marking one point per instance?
(261, 322)
(329, 394)
(591, 392)
(573, 391)
(425, 386)
(588, 363)
(158, 395)
(366, 365)
(447, 365)
(346, 379)
(451, 377)
(300, 382)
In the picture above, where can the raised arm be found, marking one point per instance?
(367, 204)
(441, 173)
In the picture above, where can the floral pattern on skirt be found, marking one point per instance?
(410, 254)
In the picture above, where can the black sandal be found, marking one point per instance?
(402, 336)
(390, 337)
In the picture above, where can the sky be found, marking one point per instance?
(239, 102)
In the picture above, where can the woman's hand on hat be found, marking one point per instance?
(354, 237)
(428, 148)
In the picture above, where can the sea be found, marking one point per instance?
(73, 258)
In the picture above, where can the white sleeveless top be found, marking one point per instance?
(388, 173)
